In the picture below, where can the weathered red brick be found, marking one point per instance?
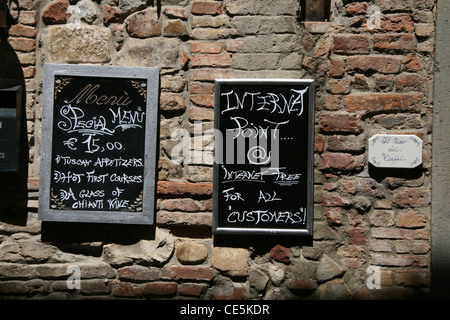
(233, 45)
(187, 273)
(184, 188)
(201, 114)
(206, 46)
(351, 44)
(211, 60)
(346, 143)
(411, 62)
(56, 12)
(387, 259)
(30, 287)
(201, 88)
(411, 197)
(356, 8)
(22, 44)
(394, 42)
(412, 278)
(397, 23)
(381, 102)
(126, 289)
(205, 100)
(198, 219)
(371, 63)
(144, 24)
(175, 12)
(95, 286)
(29, 71)
(366, 186)
(280, 253)
(337, 67)
(138, 273)
(334, 215)
(411, 219)
(332, 102)
(319, 143)
(339, 86)
(410, 82)
(191, 289)
(382, 218)
(341, 122)
(206, 7)
(333, 199)
(20, 30)
(28, 17)
(160, 288)
(357, 236)
(184, 204)
(342, 161)
(210, 74)
(391, 233)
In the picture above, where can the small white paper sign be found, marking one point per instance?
(395, 151)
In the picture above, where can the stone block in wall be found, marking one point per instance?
(328, 269)
(335, 289)
(247, 7)
(144, 24)
(231, 260)
(78, 44)
(190, 252)
(152, 52)
(154, 251)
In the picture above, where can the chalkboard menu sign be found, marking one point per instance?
(263, 168)
(98, 150)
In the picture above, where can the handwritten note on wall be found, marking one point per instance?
(263, 156)
(395, 151)
(97, 155)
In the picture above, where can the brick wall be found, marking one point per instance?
(372, 76)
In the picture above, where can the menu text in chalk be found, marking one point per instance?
(263, 161)
(98, 156)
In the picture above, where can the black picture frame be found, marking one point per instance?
(99, 144)
(255, 192)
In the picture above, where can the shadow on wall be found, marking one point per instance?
(13, 185)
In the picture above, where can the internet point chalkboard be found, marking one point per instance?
(99, 144)
(263, 161)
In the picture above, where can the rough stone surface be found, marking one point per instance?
(78, 44)
(145, 251)
(334, 290)
(258, 278)
(144, 24)
(191, 253)
(231, 260)
(153, 52)
(328, 269)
